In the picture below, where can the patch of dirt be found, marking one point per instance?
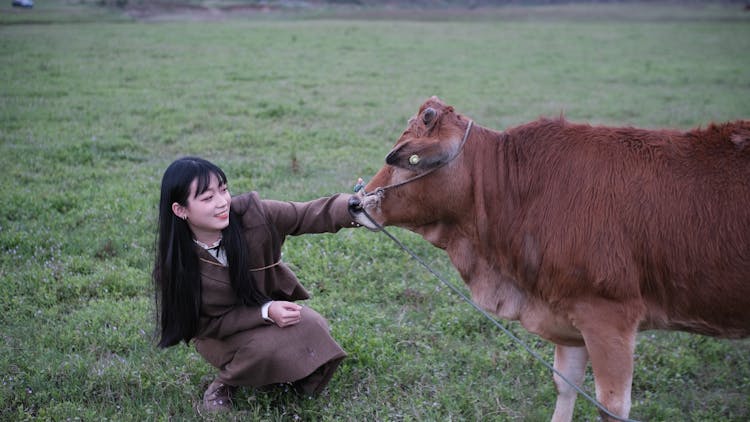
(449, 10)
(158, 11)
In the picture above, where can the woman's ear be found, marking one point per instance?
(179, 211)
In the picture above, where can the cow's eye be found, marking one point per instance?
(428, 115)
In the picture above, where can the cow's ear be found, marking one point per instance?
(428, 159)
(428, 116)
(417, 156)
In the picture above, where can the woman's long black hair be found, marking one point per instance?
(176, 273)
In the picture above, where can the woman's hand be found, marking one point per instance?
(285, 313)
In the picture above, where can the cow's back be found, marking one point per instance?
(628, 213)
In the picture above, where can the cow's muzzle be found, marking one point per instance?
(358, 206)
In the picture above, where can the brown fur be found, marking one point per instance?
(585, 234)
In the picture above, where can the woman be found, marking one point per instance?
(220, 282)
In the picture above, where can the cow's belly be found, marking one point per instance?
(500, 296)
(537, 317)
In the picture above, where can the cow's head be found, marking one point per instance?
(423, 180)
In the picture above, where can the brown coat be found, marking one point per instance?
(234, 338)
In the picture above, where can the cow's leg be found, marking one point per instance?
(611, 350)
(571, 363)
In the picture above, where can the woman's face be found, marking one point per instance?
(208, 213)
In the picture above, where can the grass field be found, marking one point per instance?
(94, 106)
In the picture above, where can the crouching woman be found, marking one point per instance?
(221, 283)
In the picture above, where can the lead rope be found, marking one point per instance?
(495, 322)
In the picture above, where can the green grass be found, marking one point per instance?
(92, 113)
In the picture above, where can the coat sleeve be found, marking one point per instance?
(323, 215)
(239, 318)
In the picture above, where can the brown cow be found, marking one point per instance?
(584, 234)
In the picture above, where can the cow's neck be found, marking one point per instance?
(478, 242)
(475, 220)
(466, 237)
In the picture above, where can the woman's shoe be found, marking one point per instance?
(218, 397)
